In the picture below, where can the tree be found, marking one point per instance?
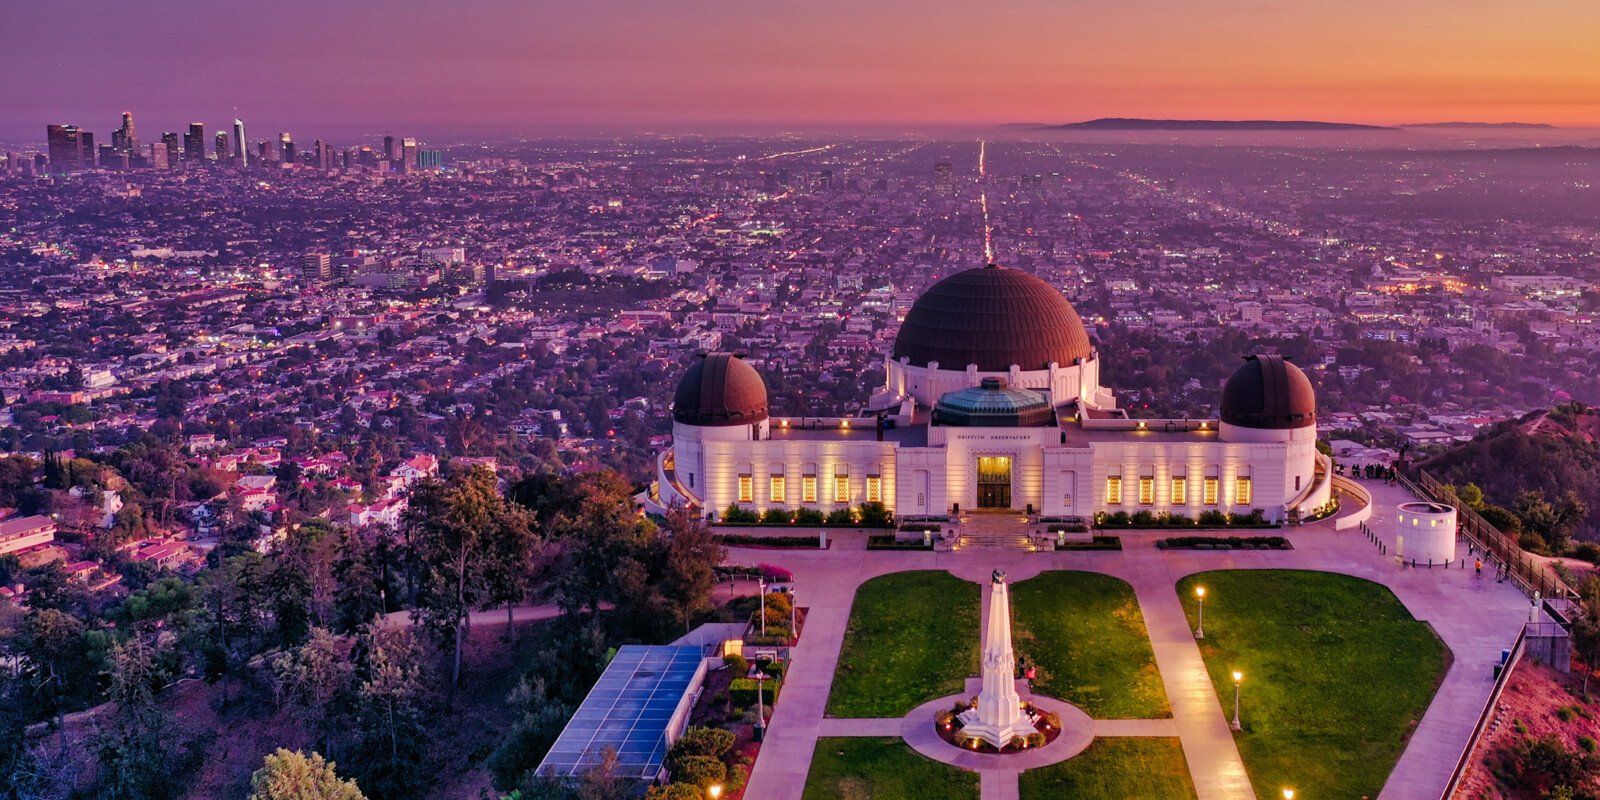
(291, 775)
(1471, 496)
(1586, 643)
(447, 525)
(541, 720)
(139, 756)
(688, 574)
(511, 550)
(389, 757)
(312, 678)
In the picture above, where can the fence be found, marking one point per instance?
(1527, 572)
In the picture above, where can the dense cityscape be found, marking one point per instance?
(262, 398)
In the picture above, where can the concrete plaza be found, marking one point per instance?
(1475, 618)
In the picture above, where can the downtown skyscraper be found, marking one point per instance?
(241, 148)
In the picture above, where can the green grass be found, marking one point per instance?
(1114, 769)
(882, 769)
(1337, 674)
(1084, 632)
(912, 637)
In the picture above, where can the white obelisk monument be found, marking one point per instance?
(998, 718)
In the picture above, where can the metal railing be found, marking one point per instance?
(1484, 716)
(1527, 572)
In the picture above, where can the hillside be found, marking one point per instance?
(1123, 123)
(1550, 452)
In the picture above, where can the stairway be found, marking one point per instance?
(994, 540)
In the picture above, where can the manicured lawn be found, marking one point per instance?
(1114, 769)
(1336, 675)
(912, 637)
(1084, 632)
(882, 769)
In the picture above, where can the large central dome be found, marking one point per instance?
(993, 317)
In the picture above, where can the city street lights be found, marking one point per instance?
(1238, 678)
(1200, 623)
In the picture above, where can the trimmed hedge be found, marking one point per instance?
(787, 542)
(1207, 519)
(743, 692)
(1225, 543)
(887, 541)
(1099, 543)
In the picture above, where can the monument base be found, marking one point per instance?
(996, 735)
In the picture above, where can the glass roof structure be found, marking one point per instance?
(643, 695)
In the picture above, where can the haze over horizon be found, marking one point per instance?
(500, 67)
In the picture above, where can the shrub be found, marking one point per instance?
(887, 541)
(1543, 763)
(739, 516)
(876, 515)
(701, 771)
(777, 516)
(675, 791)
(773, 669)
(701, 741)
(1588, 551)
(753, 540)
(1143, 519)
(1213, 518)
(842, 517)
(743, 692)
(775, 574)
(1587, 743)
(736, 663)
(1030, 740)
(1566, 714)
(808, 516)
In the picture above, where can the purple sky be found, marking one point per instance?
(342, 68)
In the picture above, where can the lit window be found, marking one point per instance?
(841, 488)
(779, 491)
(1147, 491)
(874, 489)
(808, 489)
(1209, 492)
(1241, 491)
(1180, 491)
(747, 489)
(1114, 490)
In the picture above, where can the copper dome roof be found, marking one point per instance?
(993, 317)
(1268, 392)
(720, 389)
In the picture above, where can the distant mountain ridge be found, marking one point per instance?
(1136, 124)
(1504, 125)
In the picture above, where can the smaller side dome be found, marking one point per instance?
(720, 389)
(992, 405)
(1269, 393)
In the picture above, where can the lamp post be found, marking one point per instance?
(1200, 622)
(761, 589)
(794, 616)
(761, 711)
(1238, 678)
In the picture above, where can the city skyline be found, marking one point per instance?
(492, 67)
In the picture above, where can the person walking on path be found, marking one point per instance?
(1477, 568)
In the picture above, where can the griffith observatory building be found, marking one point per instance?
(993, 400)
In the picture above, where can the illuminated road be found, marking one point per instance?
(983, 200)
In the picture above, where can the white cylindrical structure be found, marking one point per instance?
(1428, 532)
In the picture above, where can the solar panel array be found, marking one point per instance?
(628, 710)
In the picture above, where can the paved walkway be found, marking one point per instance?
(1475, 618)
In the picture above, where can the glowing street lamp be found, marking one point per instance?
(1238, 678)
(1200, 622)
(715, 791)
(1288, 794)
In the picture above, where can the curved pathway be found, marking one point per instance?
(1475, 618)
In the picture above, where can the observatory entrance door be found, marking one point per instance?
(994, 481)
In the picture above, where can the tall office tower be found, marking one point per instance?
(286, 147)
(194, 143)
(112, 158)
(223, 153)
(429, 159)
(408, 154)
(157, 157)
(941, 178)
(169, 142)
(317, 267)
(241, 147)
(65, 144)
(11, 163)
(87, 161)
(123, 139)
(826, 180)
(390, 149)
(264, 151)
(319, 154)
